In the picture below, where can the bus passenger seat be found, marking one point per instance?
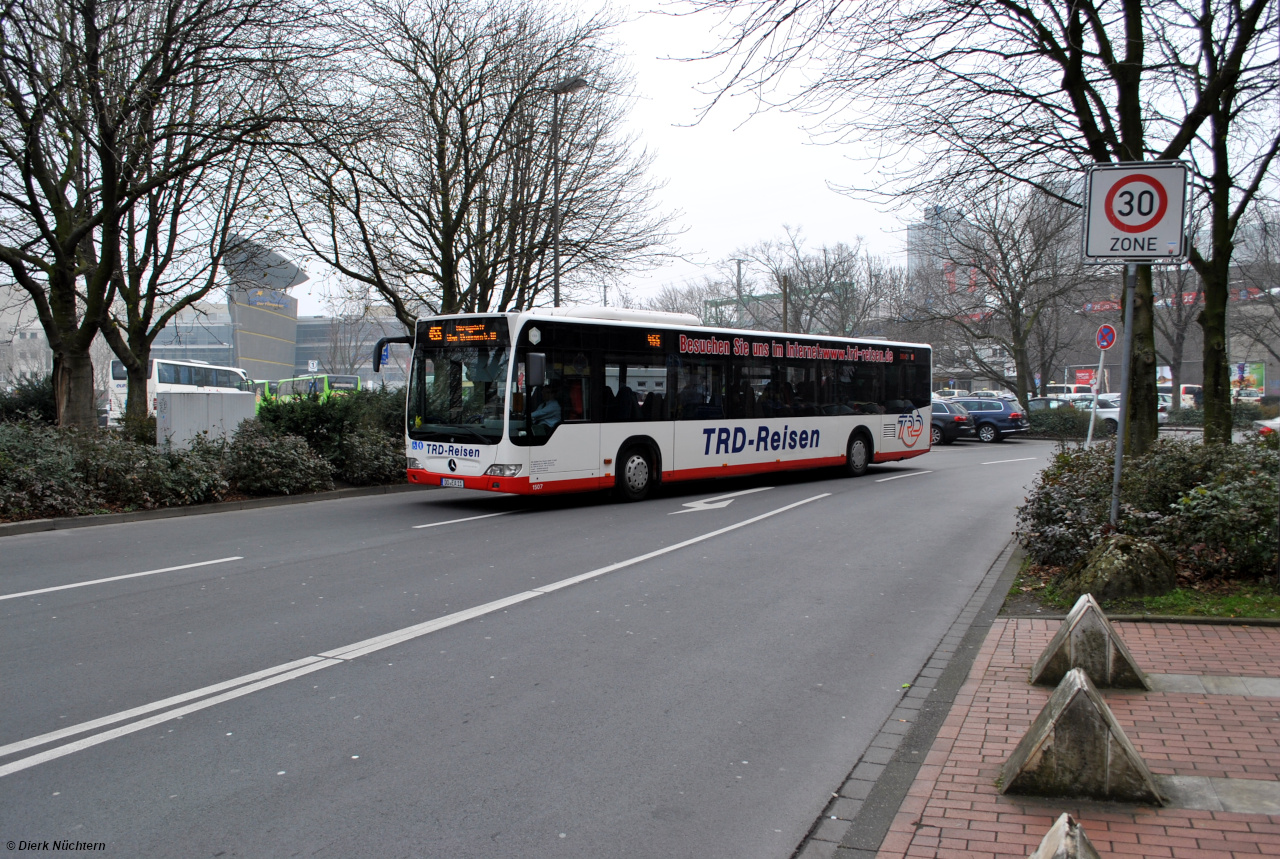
(574, 412)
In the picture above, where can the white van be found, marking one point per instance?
(1190, 393)
(1058, 390)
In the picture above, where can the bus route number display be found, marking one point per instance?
(462, 332)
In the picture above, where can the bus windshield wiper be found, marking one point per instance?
(483, 439)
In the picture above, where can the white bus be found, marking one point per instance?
(165, 375)
(549, 401)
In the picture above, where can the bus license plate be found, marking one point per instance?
(453, 482)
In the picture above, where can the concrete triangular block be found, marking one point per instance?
(1087, 640)
(1065, 840)
(1075, 748)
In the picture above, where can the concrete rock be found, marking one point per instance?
(1065, 840)
(1087, 640)
(1075, 748)
(1120, 566)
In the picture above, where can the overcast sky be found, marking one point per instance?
(735, 179)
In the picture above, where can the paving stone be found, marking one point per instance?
(845, 808)
(818, 850)
(830, 830)
(856, 788)
(1224, 685)
(1186, 683)
(878, 755)
(1234, 795)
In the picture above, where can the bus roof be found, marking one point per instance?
(627, 316)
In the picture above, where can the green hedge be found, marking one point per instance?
(1061, 423)
(51, 472)
(361, 435)
(1213, 508)
(30, 400)
(46, 471)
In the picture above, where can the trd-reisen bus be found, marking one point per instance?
(578, 399)
(165, 376)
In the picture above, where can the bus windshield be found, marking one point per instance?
(458, 381)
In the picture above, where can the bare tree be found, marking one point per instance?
(1009, 260)
(975, 91)
(173, 242)
(434, 191)
(87, 87)
(350, 332)
(1259, 320)
(1179, 298)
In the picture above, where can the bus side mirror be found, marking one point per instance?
(382, 344)
(535, 364)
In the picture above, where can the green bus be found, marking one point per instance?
(322, 386)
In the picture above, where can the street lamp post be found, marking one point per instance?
(564, 87)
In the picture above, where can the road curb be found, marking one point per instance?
(1161, 618)
(858, 817)
(36, 526)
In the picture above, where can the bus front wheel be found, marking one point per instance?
(635, 475)
(858, 456)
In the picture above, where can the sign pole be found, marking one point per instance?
(1093, 409)
(1131, 283)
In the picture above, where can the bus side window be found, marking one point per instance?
(168, 374)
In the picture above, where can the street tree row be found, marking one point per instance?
(958, 95)
(404, 143)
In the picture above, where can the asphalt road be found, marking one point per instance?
(454, 674)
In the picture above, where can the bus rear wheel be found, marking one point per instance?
(635, 474)
(858, 456)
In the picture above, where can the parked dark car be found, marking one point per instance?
(950, 422)
(994, 419)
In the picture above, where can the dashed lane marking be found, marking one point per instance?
(120, 578)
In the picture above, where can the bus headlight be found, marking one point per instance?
(502, 470)
(413, 463)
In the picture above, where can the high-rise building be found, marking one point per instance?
(264, 316)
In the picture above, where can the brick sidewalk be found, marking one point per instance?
(953, 809)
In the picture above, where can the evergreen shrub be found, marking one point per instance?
(260, 461)
(1211, 507)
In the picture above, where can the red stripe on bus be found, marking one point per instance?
(891, 457)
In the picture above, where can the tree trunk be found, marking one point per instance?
(138, 404)
(73, 388)
(1217, 373)
(1142, 400)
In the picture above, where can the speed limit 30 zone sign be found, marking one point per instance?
(1136, 212)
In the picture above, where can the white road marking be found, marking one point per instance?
(71, 730)
(133, 727)
(900, 476)
(266, 678)
(468, 519)
(999, 461)
(717, 502)
(118, 578)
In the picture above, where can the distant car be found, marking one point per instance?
(1044, 404)
(1189, 394)
(1246, 395)
(995, 418)
(1109, 413)
(947, 393)
(989, 393)
(1267, 427)
(950, 422)
(1066, 389)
